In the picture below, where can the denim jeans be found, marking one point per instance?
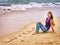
(39, 25)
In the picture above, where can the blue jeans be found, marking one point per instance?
(39, 25)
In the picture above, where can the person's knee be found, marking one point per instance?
(37, 23)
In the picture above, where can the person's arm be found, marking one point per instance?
(51, 23)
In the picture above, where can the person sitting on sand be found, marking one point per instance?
(48, 23)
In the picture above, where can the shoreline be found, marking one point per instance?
(28, 9)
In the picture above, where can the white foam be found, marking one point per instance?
(31, 5)
(57, 3)
(17, 7)
(48, 4)
(27, 6)
(35, 4)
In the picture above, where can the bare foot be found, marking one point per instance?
(53, 31)
(35, 33)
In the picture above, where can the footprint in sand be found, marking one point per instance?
(19, 35)
(27, 32)
(33, 29)
(7, 40)
(22, 40)
(10, 39)
(23, 33)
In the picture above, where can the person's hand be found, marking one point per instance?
(53, 31)
(53, 24)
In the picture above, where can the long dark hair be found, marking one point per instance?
(51, 15)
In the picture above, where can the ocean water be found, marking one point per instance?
(27, 1)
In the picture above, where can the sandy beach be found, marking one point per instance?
(17, 28)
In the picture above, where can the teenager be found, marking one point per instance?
(48, 23)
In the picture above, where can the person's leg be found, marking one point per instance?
(43, 28)
(37, 27)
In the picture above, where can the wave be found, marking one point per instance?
(32, 5)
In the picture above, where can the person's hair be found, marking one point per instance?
(51, 17)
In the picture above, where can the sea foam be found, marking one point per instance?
(31, 5)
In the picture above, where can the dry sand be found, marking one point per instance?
(25, 37)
